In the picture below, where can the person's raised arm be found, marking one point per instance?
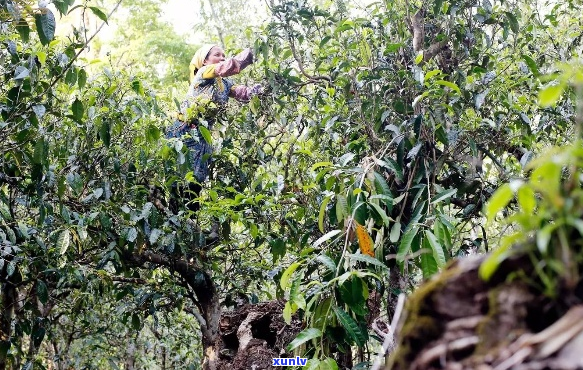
(230, 66)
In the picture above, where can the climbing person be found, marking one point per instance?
(206, 99)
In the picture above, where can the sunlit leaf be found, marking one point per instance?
(99, 13)
(325, 237)
(498, 201)
(550, 94)
(284, 282)
(63, 241)
(206, 134)
(451, 85)
(322, 213)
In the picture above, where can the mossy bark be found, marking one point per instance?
(458, 321)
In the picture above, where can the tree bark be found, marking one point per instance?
(456, 320)
(8, 302)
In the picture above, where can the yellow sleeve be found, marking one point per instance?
(208, 71)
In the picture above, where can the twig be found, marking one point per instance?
(389, 342)
(59, 76)
(301, 65)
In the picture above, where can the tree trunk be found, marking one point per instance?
(8, 302)
(250, 336)
(130, 361)
(458, 321)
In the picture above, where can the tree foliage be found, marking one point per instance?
(362, 170)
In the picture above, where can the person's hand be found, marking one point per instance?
(257, 89)
(244, 58)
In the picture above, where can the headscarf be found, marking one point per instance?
(199, 58)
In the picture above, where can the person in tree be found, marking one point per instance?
(205, 101)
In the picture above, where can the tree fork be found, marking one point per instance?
(206, 295)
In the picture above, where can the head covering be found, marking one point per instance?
(199, 58)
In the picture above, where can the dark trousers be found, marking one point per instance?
(185, 194)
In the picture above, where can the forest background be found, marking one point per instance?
(365, 168)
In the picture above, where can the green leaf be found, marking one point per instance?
(391, 48)
(278, 249)
(428, 265)
(526, 199)
(304, 336)
(405, 246)
(543, 237)
(287, 313)
(39, 151)
(393, 166)
(325, 237)
(284, 282)
(136, 323)
(11, 235)
(63, 241)
(42, 291)
(512, 21)
(451, 85)
(351, 327)
(78, 109)
(206, 134)
(62, 6)
(131, 234)
(550, 94)
(4, 347)
(437, 6)
(327, 261)
(531, 65)
(21, 73)
(23, 229)
(381, 213)
(417, 215)
(71, 77)
(328, 364)
(23, 30)
(341, 207)
(99, 13)
(38, 334)
(81, 78)
(498, 201)
(446, 194)
(10, 268)
(367, 259)
(438, 253)
(254, 105)
(295, 295)
(45, 26)
(105, 133)
(138, 87)
(253, 230)
(430, 74)
(322, 214)
(321, 313)
(395, 232)
(490, 265)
